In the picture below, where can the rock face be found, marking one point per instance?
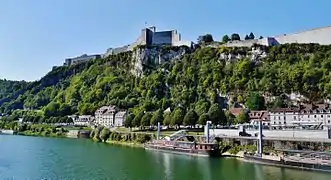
(149, 57)
(254, 55)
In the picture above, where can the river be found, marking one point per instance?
(55, 158)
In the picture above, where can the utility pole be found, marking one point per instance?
(260, 142)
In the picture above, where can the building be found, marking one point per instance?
(83, 120)
(80, 59)
(150, 37)
(119, 118)
(109, 116)
(235, 111)
(308, 115)
(320, 36)
(256, 116)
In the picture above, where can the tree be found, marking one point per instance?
(279, 103)
(52, 109)
(235, 37)
(190, 118)
(230, 118)
(167, 118)
(225, 39)
(251, 36)
(157, 117)
(242, 117)
(216, 114)
(246, 37)
(137, 119)
(146, 119)
(255, 102)
(261, 37)
(128, 122)
(203, 119)
(177, 117)
(201, 107)
(104, 134)
(204, 39)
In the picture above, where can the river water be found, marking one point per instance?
(51, 158)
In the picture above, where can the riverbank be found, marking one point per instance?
(42, 134)
(127, 144)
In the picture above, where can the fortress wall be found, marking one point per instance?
(244, 43)
(164, 37)
(175, 37)
(321, 36)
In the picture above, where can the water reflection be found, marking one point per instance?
(166, 164)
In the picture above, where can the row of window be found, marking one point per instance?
(279, 122)
(294, 117)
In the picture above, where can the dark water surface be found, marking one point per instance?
(50, 158)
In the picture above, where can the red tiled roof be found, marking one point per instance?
(258, 115)
(235, 111)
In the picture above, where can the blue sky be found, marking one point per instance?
(35, 35)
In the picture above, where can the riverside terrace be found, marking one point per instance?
(278, 139)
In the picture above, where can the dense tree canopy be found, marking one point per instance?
(193, 83)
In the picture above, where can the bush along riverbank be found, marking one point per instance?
(102, 134)
(232, 150)
(42, 130)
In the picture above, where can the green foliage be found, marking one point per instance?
(136, 122)
(177, 117)
(208, 38)
(242, 117)
(167, 118)
(128, 122)
(146, 119)
(251, 36)
(203, 119)
(191, 118)
(216, 114)
(230, 118)
(225, 39)
(193, 83)
(255, 102)
(157, 117)
(235, 37)
(104, 134)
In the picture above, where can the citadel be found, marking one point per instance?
(151, 37)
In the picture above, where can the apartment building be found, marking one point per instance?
(305, 115)
(109, 116)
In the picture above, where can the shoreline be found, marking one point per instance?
(127, 144)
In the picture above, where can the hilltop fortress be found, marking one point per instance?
(150, 37)
(320, 36)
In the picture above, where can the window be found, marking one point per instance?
(321, 116)
(328, 116)
(314, 116)
(329, 121)
(278, 117)
(274, 117)
(308, 116)
(294, 117)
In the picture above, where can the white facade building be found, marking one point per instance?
(307, 115)
(109, 116)
(83, 120)
(119, 118)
